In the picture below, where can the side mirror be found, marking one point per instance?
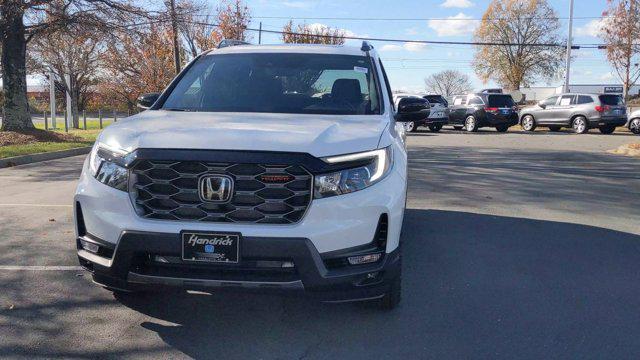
(413, 109)
(542, 105)
(146, 100)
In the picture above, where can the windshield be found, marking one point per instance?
(501, 101)
(611, 100)
(278, 83)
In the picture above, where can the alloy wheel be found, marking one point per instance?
(580, 125)
(409, 126)
(527, 123)
(470, 124)
(635, 126)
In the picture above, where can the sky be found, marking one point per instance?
(408, 64)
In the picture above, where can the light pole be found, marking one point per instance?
(565, 88)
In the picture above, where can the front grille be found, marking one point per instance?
(169, 190)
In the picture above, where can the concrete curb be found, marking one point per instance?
(32, 158)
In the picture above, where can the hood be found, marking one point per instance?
(318, 135)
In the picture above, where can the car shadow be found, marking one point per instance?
(473, 286)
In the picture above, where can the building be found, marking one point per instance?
(538, 93)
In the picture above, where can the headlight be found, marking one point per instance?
(377, 164)
(107, 166)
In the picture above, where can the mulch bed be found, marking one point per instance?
(34, 136)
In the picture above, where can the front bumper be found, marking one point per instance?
(130, 266)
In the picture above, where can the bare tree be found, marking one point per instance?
(311, 34)
(73, 52)
(21, 21)
(620, 32)
(448, 83)
(521, 23)
(197, 27)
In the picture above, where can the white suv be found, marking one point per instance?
(269, 168)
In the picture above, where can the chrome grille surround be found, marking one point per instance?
(168, 190)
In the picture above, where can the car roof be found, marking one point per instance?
(290, 48)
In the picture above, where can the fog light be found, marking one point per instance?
(364, 259)
(90, 247)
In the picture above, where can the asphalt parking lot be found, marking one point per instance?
(515, 245)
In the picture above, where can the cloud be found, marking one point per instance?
(297, 4)
(458, 25)
(415, 46)
(457, 4)
(412, 47)
(592, 28)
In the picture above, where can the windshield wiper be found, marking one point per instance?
(175, 109)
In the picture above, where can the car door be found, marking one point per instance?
(458, 109)
(543, 113)
(561, 112)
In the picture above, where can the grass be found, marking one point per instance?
(40, 147)
(88, 137)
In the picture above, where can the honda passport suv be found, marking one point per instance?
(265, 168)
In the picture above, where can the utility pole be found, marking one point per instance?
(174, 26)
(52, 98)
(565, 88)
(69, 113)
(260, 34)
(625, 88)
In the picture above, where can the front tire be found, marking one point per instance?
(607, 129)
(435, 128)
(410, 126)
(528, 123)
(580, 125)
(634, 126)
(470, 124)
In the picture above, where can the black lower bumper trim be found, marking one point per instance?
(131, 269)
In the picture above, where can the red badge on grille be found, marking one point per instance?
(276, 179)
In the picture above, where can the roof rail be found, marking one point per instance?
(366, 47)
(231, 42)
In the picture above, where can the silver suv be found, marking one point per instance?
(578, 111)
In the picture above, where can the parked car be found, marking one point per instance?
(439, 115)
(474, 111)
(409, 100)
(634, 122)
(244, 175)
(580, 112)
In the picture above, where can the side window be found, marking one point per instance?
(459, 100)
(550, 101)
(583, 99)
(387, 85)
(566, 100)
(475, 101)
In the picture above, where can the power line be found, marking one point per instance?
(394, 40)
(415, 19)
